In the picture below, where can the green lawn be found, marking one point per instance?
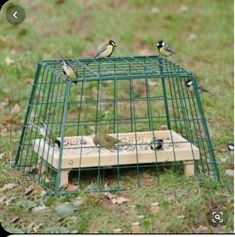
(201, 32)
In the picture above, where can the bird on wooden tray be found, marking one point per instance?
(105, 140)
(164, 49)
(46, 133)
(156, 144)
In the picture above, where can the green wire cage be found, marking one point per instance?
(137, 100)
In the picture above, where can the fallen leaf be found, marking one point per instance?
(183, 8)
(93, 198)
(70, 187)
(12, 122)
(192, 36)
(15, 219)
(155, 208)
(37, 227)
(140, 217)
(2, 199)
(78, 202)
(229, 172)
(121, 200)
(4, 103)
(38, 189)
(38, 209)
(111, 197)
(135, 228)
(155, 10)
(8, 186)
(201, 229)
(1, 155)
(16, 109)
(9, 61)
(29, 189)
(117, 230)
(7, 203)
(114, 199)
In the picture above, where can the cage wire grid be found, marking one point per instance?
(118, 95)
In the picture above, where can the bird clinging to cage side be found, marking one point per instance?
(105, 140)
(106, 49)
(189, 84)
(46, 133)
(164, 49)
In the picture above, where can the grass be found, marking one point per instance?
(75, 28)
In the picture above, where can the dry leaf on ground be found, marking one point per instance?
(2, 199)
(229, 172)
(39, 208)
(155, 207)
(29, 189)
(8, 186)
(135, 228)
(16, 109)
(201, 229)
(15, 219)
(78, 202)
(9, 61)
(114, 199)
(1, 155)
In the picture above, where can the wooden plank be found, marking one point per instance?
(79, 156)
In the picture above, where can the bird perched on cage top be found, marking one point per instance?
(69, 70)
(189, 84)
(164, 49)
(106, 49)
(46, 133)
(105, 140)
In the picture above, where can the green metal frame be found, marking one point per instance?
(54, 98)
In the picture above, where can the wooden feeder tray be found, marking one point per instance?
(80, 152)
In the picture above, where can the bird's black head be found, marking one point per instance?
(189, 82)
(160, 43)
(111, 42)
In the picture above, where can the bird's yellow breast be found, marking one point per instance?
(107, 52)
(164, 52)
(71, 73)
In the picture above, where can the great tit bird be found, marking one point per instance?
(104, 140)
(189, 84)
(69, 71)
(164, 49)
(46, 133)
(156, 144)
(230, 147)
(106, 49)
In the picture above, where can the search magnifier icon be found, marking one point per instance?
(217, 217)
